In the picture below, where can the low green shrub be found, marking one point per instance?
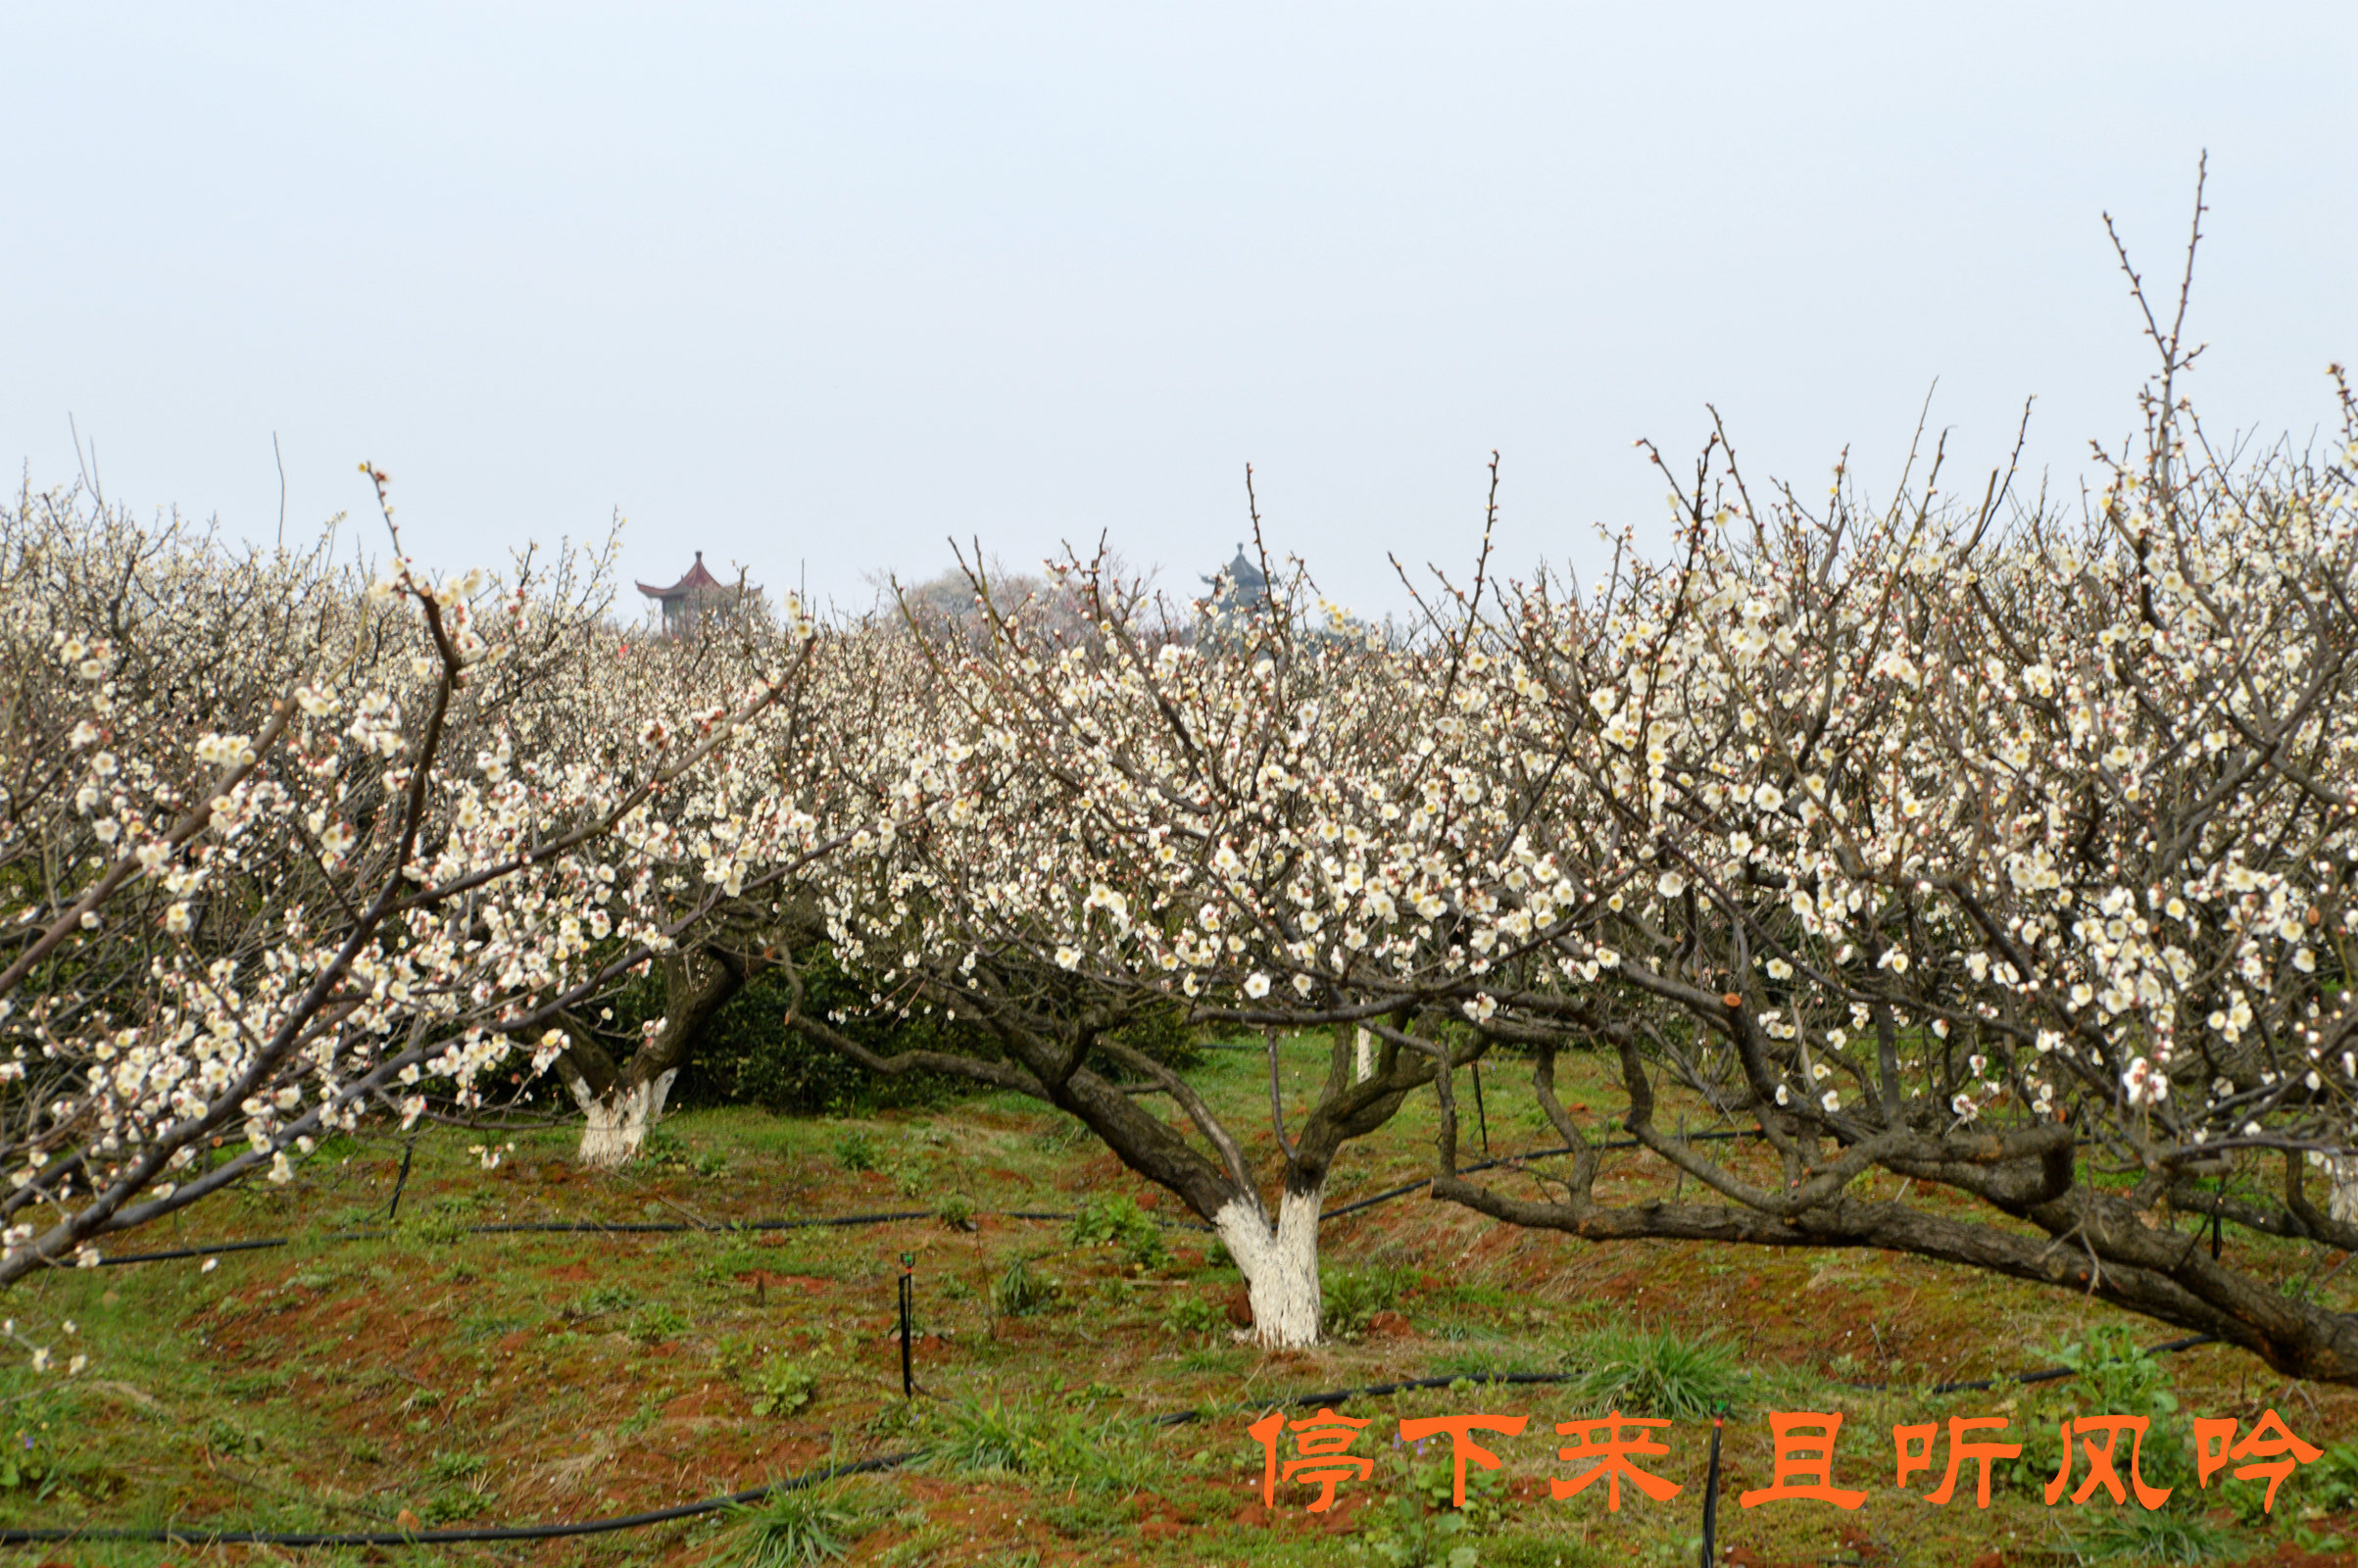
(1065, 1447)
(1417, 1523)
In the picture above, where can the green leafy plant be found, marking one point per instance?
(2110, 1373)
(917, 1173)
(444, 1222)
(992, 1437)
(855, 1150)
(27, 1461)
(957, 1212)
(663, 1147)
(605, 1299)
(1065, 1133)
(1109, 1458)
(781, 1386)
(1116, 1220)
(1191, 1313)
(462, 1487)
(2171, 1537)
(731, 1261)
(2330, 1484)
(1655, 1373)
(1350, 1299)
(226, 1436)
(449, 1464)
(1417, 1524)
(1020, 1293)
(1483, 1361)
(658, 1320)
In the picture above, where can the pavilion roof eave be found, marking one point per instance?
(697, 580)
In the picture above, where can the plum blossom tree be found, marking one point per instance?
(1089, 828)
(722, 851)
(2000, 860)
(278, 844)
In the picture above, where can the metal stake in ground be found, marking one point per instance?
(1480, 1116)
(393, 1209)
(909, 1261)
(1711, 1496)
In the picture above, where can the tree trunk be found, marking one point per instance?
(2341, 1183)
(623, 1102)
(618, 1119)
(1280, 1263)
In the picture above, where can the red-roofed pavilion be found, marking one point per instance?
(686, 601)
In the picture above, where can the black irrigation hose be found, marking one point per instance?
(2049, 1375)
(890, 1462)
(1389, 1194)
(585, 1227)
(435, 1537)
(593, 1227)
(1376, 1391)
(196, 1251)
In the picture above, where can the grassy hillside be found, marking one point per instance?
(437, 1376)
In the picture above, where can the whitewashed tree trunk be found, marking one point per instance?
(1280, 1264)
(618, 1119)
(2341, 1179)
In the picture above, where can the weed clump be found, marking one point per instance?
(2158, 1538)
(781, 1386)
(796, 1526)
(1418, 1524)
(1067, 1448)
(1116, 1220)
(657, 1321)
(856, 1151)
(1193, 1314)
(1350, 1299)
(1655, 1373)
(1020, 1293)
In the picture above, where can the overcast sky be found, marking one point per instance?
(814, 288)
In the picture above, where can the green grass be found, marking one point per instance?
(565, 1376)
(1655, 1372)
(794, 1526)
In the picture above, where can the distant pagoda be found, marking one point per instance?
(687, 602)
(1240, 589)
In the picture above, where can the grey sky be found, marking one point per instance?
(832, 284)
